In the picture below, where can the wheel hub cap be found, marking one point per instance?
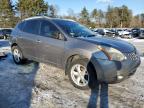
(17, 55)
(80, 75)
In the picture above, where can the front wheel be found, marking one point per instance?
(81, 74)
(17, 55)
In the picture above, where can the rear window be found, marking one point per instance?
(32, 26)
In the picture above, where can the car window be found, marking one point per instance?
(73, 28)
(32, 26)
(1, 33)
(21, 25)
(49, 30)
(7, 31)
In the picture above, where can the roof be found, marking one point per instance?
(38, 17)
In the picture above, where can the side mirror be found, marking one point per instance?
(58, 35)
(72, 34)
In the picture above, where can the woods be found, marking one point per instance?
(11, 13)
(7, 14)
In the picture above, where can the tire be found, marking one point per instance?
(84, 80)
(17, 55)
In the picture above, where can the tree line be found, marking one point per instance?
(114, 17)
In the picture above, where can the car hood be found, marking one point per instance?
(118, 44)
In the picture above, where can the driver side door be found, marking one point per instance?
(50, 47)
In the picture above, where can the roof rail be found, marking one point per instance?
(35, 17)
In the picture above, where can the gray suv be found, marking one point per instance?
(69, 45)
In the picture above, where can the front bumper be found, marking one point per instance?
(114, 71)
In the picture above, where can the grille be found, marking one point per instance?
(132, 56)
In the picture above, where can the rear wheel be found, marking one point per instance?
(17, 55)
(81, 74)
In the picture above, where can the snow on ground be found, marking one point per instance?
(38, 85)
(43, 86)
(133, 40)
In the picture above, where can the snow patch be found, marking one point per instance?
(142, 58)
(133, 40)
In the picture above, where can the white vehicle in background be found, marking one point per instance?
(141, 35)
(105, 32)
(124, 33)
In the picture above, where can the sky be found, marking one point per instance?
(137, 6)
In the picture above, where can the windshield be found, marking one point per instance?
(74, 29)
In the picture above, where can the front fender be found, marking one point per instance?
(84, 53)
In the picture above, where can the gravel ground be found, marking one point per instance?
(37, 85)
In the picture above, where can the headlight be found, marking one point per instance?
(112, 54)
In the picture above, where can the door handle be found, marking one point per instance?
(38, 41)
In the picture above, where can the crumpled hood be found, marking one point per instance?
(118, 44)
